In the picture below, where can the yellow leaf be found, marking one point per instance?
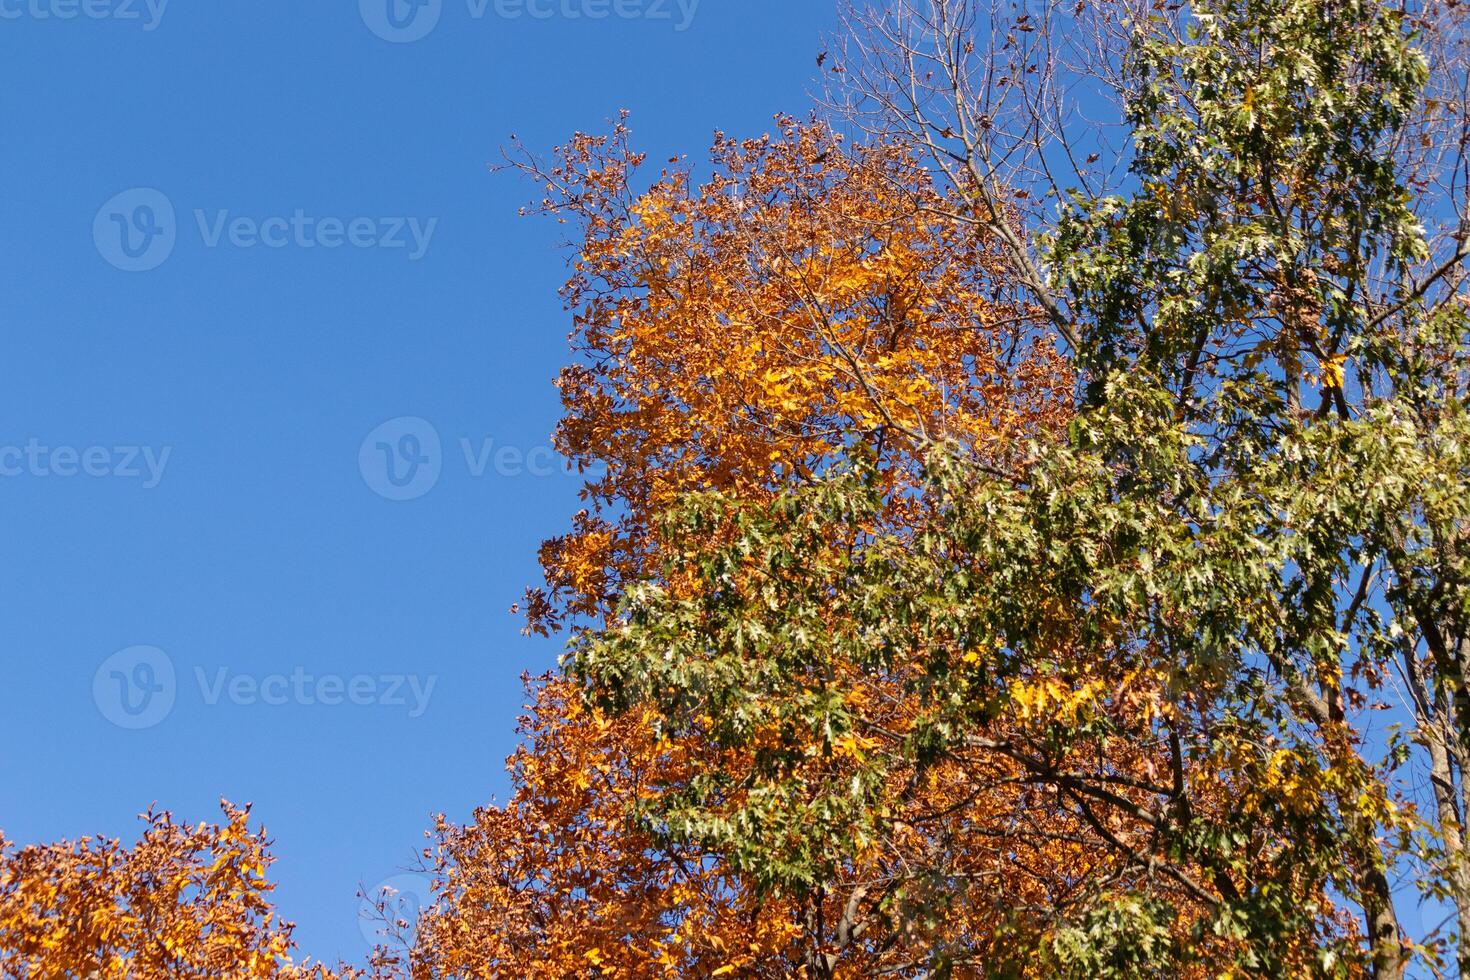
(1332, 370)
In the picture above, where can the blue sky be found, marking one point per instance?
(237, 565)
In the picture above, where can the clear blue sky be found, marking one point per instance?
(263, 553)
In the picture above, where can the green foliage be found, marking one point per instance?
(1128, 939)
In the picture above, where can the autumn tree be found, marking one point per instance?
(741, 335)
(760, 781)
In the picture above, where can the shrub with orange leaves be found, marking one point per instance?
(184, 902)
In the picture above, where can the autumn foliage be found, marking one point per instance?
(183, 902)
(564, 880)
(737, 334)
